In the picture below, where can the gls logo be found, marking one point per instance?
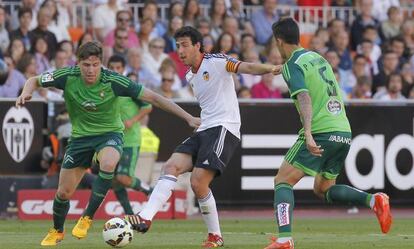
(18, 131)
(46, 207)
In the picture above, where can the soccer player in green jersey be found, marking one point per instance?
(324, 140)
(91, 96)
(132, 112)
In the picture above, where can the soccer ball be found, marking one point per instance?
(117, 232)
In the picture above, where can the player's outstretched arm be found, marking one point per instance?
(305, 111)
(256, 68)
(29, 87)
(169, 106)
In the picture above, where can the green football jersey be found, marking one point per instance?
(308, 71)
(93, 109)
(129, 109)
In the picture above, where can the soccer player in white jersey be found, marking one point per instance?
(207, 151)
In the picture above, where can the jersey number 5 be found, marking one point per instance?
(331, 90)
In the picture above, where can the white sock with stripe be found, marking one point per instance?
(159, 196)
(209, 212)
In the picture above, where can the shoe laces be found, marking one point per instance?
(85, 222)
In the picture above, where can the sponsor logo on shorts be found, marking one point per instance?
(206, 162)
(283, 214)
(334, 106)
(111, 142)
(339, 139)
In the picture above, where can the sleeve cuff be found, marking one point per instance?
(298, 91)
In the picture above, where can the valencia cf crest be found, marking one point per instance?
(18, 131)
(206, 76)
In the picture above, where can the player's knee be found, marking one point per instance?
(107, 165)
(64, 193)
(198, 187)
(319, 192)
(171, 168)
(124, 180)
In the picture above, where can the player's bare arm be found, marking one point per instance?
(169, 106)
(29, 87)
(258, 69)
(305, 109)
(144, 111)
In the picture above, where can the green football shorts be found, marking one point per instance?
(80, 150)
(128, 161)
(336, 147)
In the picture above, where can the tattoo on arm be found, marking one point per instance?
(305, 110)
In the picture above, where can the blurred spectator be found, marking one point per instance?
(392, 26)
(225, 44)
(203, 25)
(397, 45)
(364, 19)
(67, 46)
(247, 42)
(208, 43)
(217, 14)
(150, 10)
(86, 37)
(236, 10)
(168, 65)
(11, 81)
(275, 58)
(41, 50)
(165, 89)
(249, 79)
(120, 47)
(333, 58)
(244, 93)
(341, 42)
(123, 21)
(145, 33)
(263, 19)
(362, 89)
(408, 79)
(27, 66)
(117, 64)
(231, 26)
(393, 89)
(155, 56)
(317, 45)
(381, 7)
(26, 4)
(191, 12)
(366, 49)
(4, 34)
(407, 31)
(359, 69)
(43, 19)
(265, 88)
(335, 26)
(104, 19)
(390, 60)
(174, 24)
(134, 65)
(323, 34)
(57, 26)
(133, 76)
(371, 33)
(16, 50)
(176, 9)
(60, 61)
(22, 31)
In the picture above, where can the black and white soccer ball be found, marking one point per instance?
(117, 232)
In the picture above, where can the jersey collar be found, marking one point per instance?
(293, 53)
(195, 69)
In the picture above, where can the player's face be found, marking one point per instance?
(90, 69)
(187, 51)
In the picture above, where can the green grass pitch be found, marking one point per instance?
(309, 233)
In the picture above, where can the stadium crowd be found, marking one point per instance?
(372, 57)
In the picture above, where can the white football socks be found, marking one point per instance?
(159, 196)
(208, 210)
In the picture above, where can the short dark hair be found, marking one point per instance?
(88, 49)
(24, 10)
(192, 33)
(287, 30)
(117, 58)
(370, 27)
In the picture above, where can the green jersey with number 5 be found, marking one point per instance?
(308, 71)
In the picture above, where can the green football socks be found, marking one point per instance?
(60, 210)
(99, 189)
(284, 203)
(345, 194)
(122, 196)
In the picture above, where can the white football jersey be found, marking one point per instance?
(213, 86)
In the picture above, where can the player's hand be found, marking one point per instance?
(22, 99)
(194, 122)
(128, 123)
(277, 69)
(313, 148)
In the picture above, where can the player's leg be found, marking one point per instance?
(125, 177)
(326, 188)
(68, 181)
